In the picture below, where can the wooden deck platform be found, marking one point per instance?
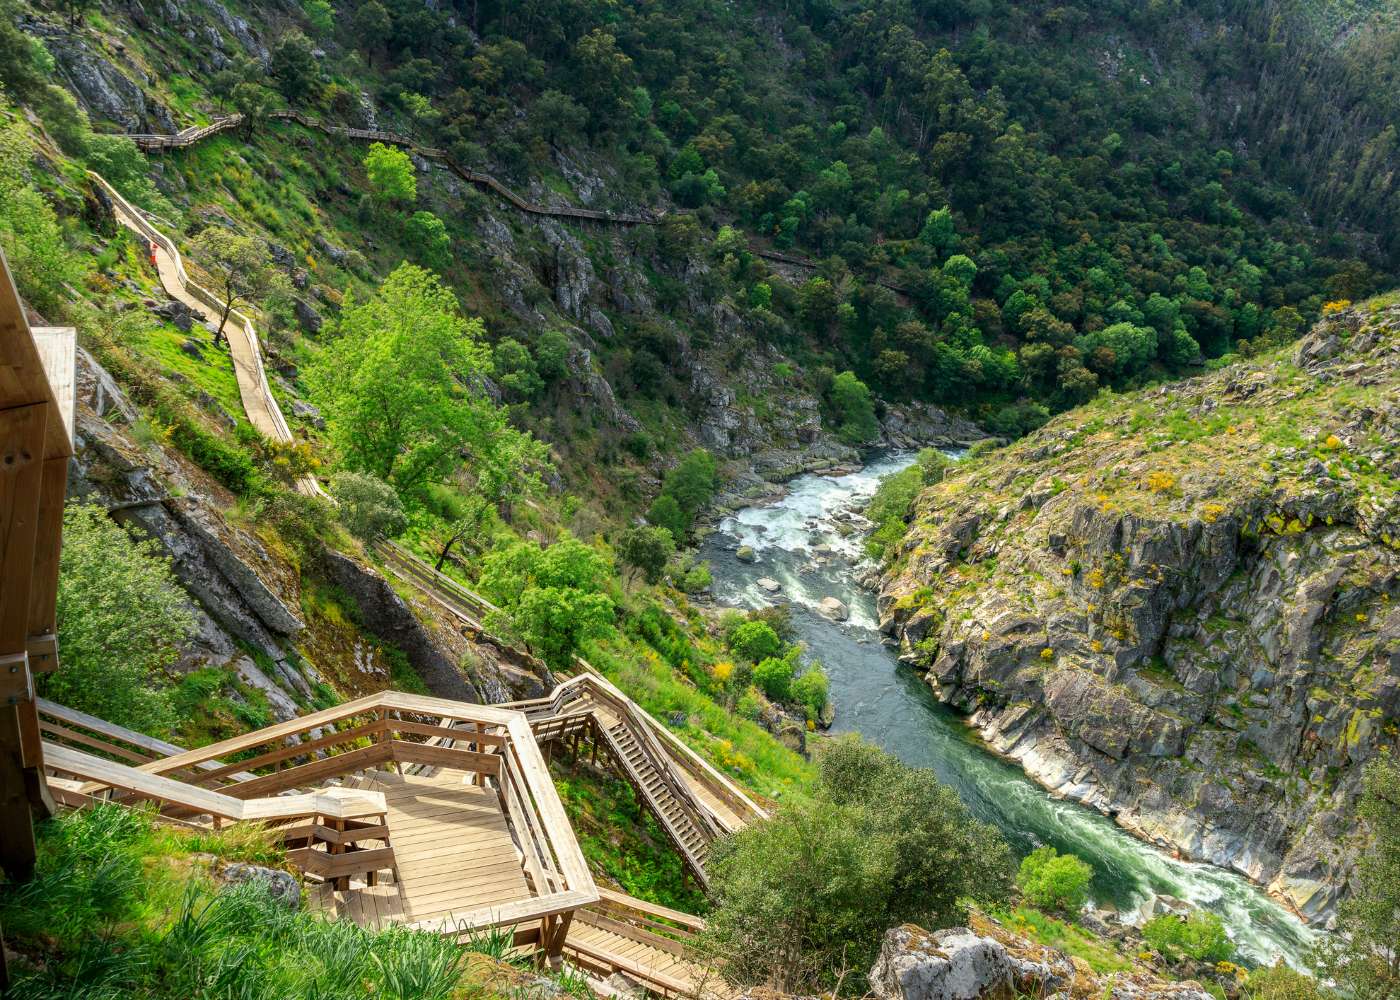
(453, 853)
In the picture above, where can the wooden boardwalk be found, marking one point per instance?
(453, 854)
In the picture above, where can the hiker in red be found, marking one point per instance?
(153, 254)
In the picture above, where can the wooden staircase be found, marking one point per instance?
(681, 821)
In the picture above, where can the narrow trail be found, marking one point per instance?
(244, 347)
(152, 143)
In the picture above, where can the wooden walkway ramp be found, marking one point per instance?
(454, 856)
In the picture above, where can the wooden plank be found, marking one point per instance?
(654, 909)
(546, 800)
(293, 750)
(21, 464)
(279, 731)
(463, 760)
(57, 346)
(104, 773)
(339, 865)
(73, 736)
(310, 773)
(445, 732)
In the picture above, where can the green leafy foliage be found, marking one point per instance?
(1053, 881)
(853, 410)
(391, 175)
(810, 689)
(426, 236)
(30, 233)
(120, 908)
(646, 550)
(401, 389)
(552, 597)
(1282, 982)
(773, 675)
(755, 640)
(685, 490)
(122, 618)
(239, 265)
(368, 507)
(809, 893)
(1200, 936)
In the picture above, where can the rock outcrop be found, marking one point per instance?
(1180, 606)
(988, 962)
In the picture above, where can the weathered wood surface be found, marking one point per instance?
(453, 851)
(36, 408)
(338, 803)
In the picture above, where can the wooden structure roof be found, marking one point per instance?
(36, 441)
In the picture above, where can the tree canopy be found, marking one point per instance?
(807, 895)
(402, 384)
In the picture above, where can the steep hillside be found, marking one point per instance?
(1179, 605)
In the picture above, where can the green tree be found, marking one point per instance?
(755, 640)
(693, 481)
(1054, 881)
(1362, 956)
(122, 619)
(665, 512)
(239, 266)
(551, 598)
(1200, 936)
(810, 892)
(854, 410)
(390, 173)
(371, 23)
(515, 368)
(1281, 982)
(552, 355)
(555, 115)
(369, 508)
(30, 233)
(647, 550)
(773, 675)
(811, 690)
(427, 236)
(321, 16)
(294, 67)
(401, 384)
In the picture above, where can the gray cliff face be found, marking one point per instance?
(244, 598)
(1194, 632)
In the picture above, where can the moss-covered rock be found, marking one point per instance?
(1179, 605)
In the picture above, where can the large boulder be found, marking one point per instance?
(951, 964)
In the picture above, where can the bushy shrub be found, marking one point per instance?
(1283, 983)
(1054, 881)
(811, 689)
(774, 676)
(122, 619)
(810, 893)
(755, 640)
(369, 508)
(1200, 936)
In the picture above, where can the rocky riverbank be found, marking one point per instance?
(1179, 606)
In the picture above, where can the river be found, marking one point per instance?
(888, 705)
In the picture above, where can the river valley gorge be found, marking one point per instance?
(809, 542)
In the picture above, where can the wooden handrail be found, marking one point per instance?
(338, 803)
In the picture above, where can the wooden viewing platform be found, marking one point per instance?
(431, 846)
(457, 826)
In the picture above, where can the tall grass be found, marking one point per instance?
(121, 908)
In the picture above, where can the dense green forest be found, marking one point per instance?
(1070, 195)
